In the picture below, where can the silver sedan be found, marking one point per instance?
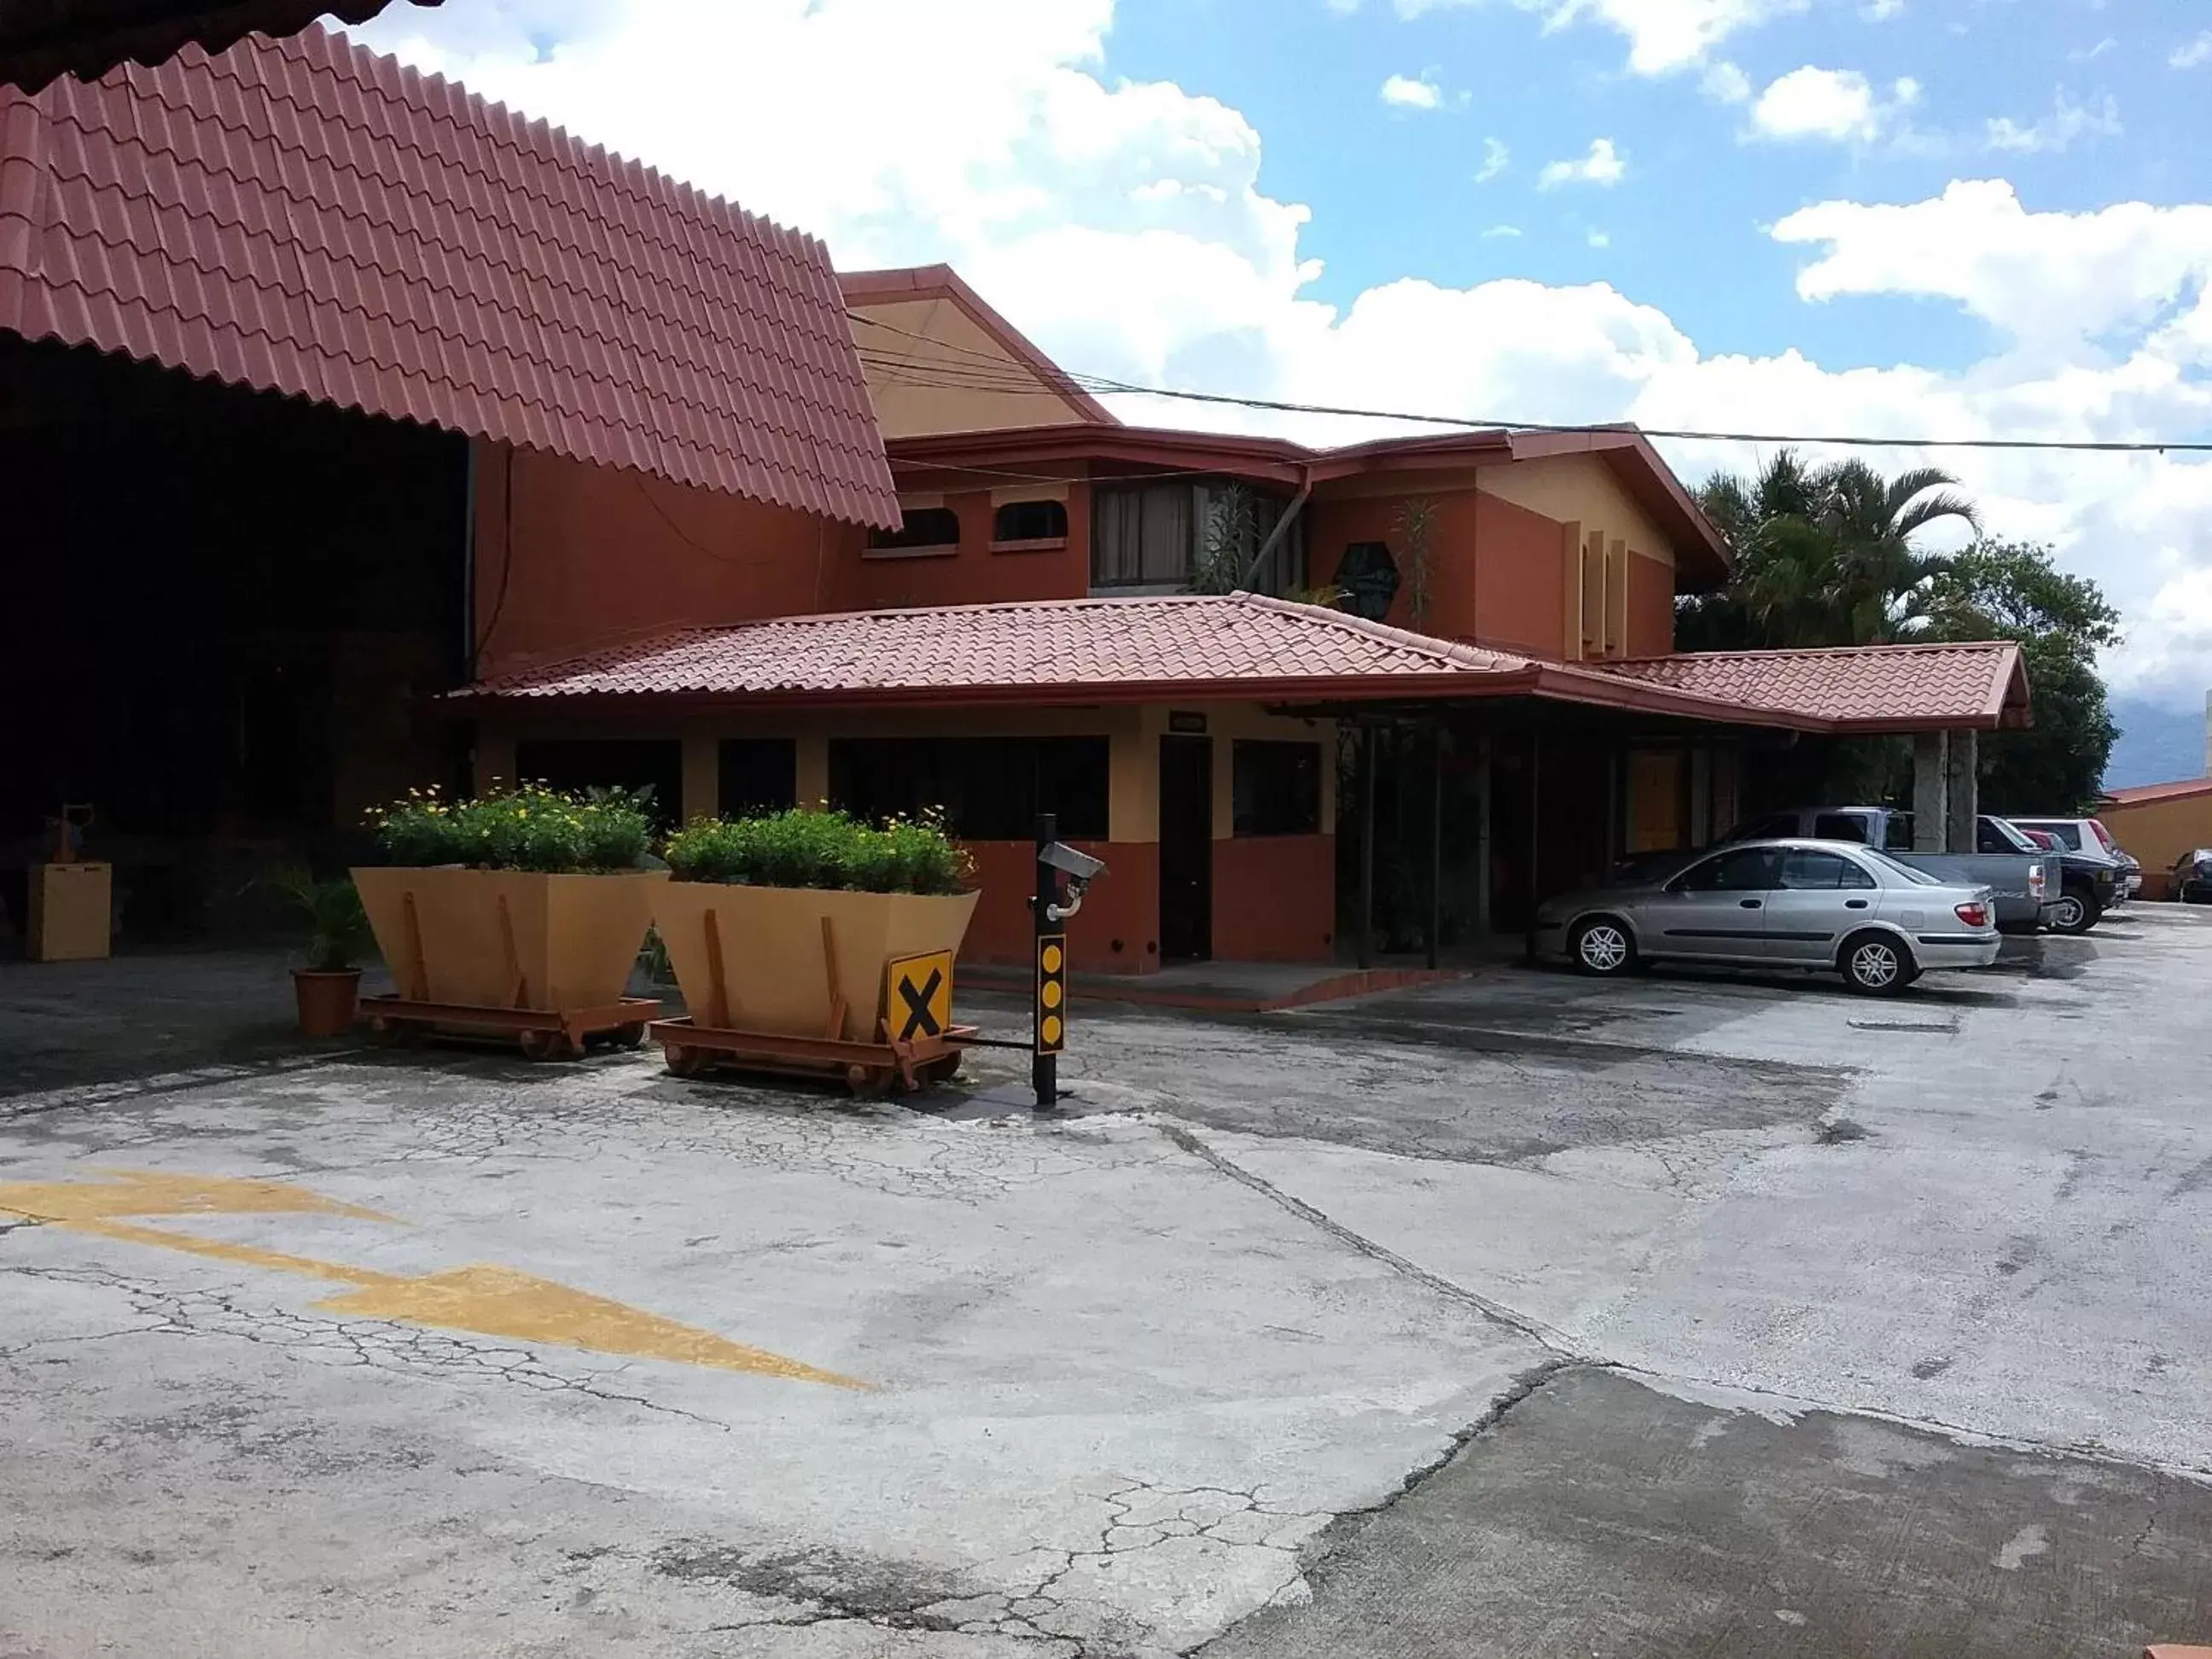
(1830, 905)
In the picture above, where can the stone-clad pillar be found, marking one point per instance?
(1930, 792)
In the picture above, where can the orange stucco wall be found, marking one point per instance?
(1650, 607)
(589, 555)
(1494, 568)
(2157, 832)
(1123, 907)
(1275, 898)
(976, 574)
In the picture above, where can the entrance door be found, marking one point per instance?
(1186, 849)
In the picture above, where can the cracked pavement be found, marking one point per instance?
(1293, 1325)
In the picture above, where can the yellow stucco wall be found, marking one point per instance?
(1580, 490)
(953, 347)
(2157, 832)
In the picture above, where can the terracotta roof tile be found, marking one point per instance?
(2180, 789)
(42, 38)
(305, 217)
(1883, 687)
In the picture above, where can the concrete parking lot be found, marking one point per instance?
(1515, 1315)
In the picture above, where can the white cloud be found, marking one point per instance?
(1503, 231)
(1663, 36)
(1840, 105)
(1406, 92)
(1121, 225)
(2190, 53)
(1724, 83)
(2067, 121)
(1603, 166)
(2096, 52)
(1878, 11)
(1496, 158)
(1599, 239)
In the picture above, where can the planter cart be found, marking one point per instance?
(554, 1014)
(916, 1044)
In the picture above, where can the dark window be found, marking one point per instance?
(1749, 870)
(988, 788)
(1030, 521)
(1140, 535)
(2069, 834)
(1276, 788)
(1897, 836)
(924, 526)
(1803, 869)
(576, 763)
(756, 775)
(1995, 835)
(1839, 826)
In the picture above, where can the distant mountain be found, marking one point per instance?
(2158, 743)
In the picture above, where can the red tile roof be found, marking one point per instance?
(1875, 688)
(307, 216)
(2181, 789)
(42, 38)
(1182, 647)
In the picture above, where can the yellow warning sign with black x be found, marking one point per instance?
(918, 996)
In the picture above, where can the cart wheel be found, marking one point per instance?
(393, 1033)
(683, 1061)
(544, 1045)
(631, 1035)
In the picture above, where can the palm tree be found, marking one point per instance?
(1823, 555)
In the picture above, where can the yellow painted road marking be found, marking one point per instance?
(484, 1299)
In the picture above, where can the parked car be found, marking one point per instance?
(2024, 878)
(2192, 877)
(1836, 906)
(2089, 835)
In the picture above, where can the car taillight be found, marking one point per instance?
(2038, 886)
(2103, 835)
(1974, 915)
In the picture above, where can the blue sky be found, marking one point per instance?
(1971, 217)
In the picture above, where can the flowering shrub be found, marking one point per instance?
(528, 828)
(820, 849)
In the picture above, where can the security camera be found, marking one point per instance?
(1078, 866)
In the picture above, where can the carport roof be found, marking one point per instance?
(1185, 648)
(307, 216)
(1874, 687)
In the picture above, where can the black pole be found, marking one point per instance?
(1435, 839)
(1044, 1063)
(1366, 846)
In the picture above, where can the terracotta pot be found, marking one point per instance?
(509, 939)
(775, 971)
(327, 999)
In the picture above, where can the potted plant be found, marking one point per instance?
(328, 988)
(525, 898)
(783, 924)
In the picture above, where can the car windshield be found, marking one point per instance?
(2070, 835)
(2010, 836)
(1917, 878)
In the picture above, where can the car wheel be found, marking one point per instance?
(1876, 964)
(2075, 913)
(1601, 947)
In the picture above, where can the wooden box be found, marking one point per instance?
(71, 907)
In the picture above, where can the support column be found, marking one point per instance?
(1366, 953)
(1436, 840)
(1482, 838)
(1962, 790)
(702, 779)
(1931, 792)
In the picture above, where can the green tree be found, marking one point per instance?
(1822, 555)
(2013, 590)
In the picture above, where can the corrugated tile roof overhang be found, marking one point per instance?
(1238, 648)
(1979, 684)
(1639, 468)
(41, 39)
(308, 217)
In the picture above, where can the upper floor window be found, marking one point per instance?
(1030, 521)
(1184, 535)
(921, 527)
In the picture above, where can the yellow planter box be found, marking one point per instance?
(509, 939)
(786, 959)
(71, 912)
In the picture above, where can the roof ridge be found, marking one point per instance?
(1454, 650)
(1830, 650)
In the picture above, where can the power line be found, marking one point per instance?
(996, 373)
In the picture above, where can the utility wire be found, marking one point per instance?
(989, 372)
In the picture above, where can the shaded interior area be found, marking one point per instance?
(225, 610)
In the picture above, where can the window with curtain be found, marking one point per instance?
(1141, 535)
